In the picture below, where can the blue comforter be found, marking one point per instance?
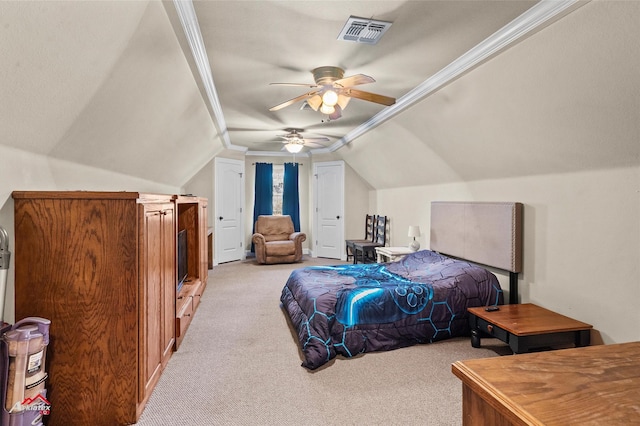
(350, 309)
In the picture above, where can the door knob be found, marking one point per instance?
(337, 217)
(220, 218)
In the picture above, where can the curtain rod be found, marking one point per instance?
(281, 164)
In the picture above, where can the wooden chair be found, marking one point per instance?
(369, 235)
(367, 250)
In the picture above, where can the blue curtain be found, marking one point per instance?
(290, 196)
(263, 200)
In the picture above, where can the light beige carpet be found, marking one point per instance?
(240, 365)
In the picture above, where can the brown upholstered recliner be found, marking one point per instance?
(275, 241)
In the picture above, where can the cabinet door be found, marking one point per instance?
(76, 264)
(151, 305)
(157, 293)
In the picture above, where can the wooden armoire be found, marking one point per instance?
(102, 267)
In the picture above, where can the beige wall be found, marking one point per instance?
(25, 171)
(359, 201)
(581, 240)
(201, 185)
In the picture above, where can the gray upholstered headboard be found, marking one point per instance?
(482, 232)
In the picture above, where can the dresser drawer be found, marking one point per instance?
(492, 330)
(197, 293)
(184, 317)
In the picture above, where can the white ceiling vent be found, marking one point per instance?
(362, 30)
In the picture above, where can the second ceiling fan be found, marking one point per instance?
(332, 92)
(294, 141)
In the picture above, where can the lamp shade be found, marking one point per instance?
(414, 231)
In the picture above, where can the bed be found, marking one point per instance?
(351, 309)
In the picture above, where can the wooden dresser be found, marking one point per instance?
(102, 267)
(594, 385)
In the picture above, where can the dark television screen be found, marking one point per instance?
(182, 257)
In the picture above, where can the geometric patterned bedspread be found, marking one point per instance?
(351, 309)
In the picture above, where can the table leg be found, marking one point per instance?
(583, 338)
(475, 338)
(518, 345)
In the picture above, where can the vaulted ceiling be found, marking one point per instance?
(116, 84)
(252, 44)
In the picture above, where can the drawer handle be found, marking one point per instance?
(490, 328)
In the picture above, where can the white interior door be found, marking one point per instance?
(229, 187)
(329, 209)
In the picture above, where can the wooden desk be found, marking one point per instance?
(527, 326)
(595, 385)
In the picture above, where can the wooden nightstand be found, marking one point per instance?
(527, 326)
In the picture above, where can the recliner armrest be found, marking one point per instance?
(258, 238)
(298, 236)
(259, 246)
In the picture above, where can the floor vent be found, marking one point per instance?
(362, 30)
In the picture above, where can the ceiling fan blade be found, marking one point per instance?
(294, 84)
(313, 145)
(314, 140)
(354, 80)
(371, 97)
(270, 146)
(292, 101)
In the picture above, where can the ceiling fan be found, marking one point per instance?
(294, 142)
(332, 92)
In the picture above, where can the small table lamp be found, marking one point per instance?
(414, 231)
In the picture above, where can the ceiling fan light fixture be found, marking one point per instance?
(293, 148)
(327, 109)
(330, 98)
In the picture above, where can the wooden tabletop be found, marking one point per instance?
(593, 385)
(529, 319)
